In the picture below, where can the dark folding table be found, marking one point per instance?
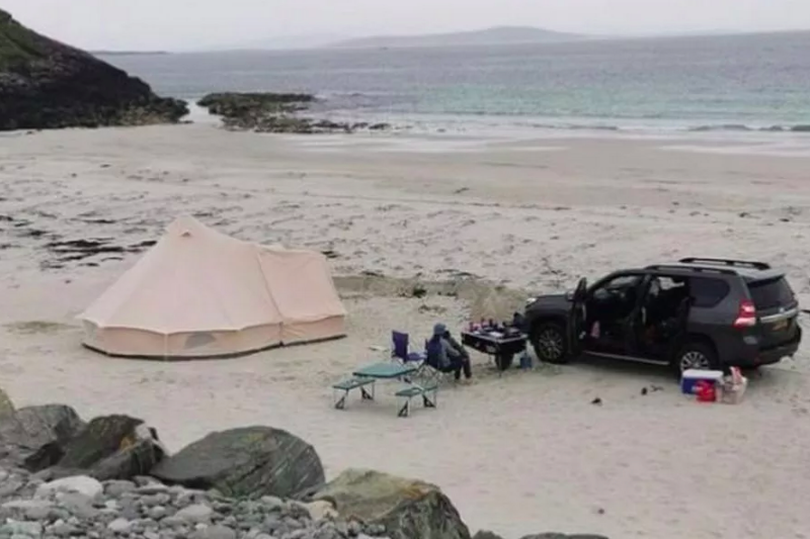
(498, 344)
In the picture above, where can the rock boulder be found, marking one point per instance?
(486, 534)
(82, 484)
(562, 536)
(34, 436)
(48, 429)
(8, 450)
(47, 84)
(407, 508)
(112, 447)
(246, 462)
(6, 406)
(50, 423)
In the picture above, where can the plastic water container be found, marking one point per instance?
(693, 376)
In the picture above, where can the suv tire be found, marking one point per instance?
(550, 343)
(695, 355)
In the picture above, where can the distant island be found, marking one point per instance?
(128, 53)
(501, 35)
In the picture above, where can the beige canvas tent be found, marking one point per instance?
(199, 293)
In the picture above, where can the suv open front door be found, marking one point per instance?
(576, 318)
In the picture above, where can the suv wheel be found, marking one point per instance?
(695, 355)
(549, 342)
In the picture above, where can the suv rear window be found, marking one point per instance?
(771, 293)
(707, 292)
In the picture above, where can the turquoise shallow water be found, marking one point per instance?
(733, 83)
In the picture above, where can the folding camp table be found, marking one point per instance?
(367, 376)
(386, 370)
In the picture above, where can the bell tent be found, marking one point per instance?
(199, 293)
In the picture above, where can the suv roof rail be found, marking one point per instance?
(688, 268)
(726, 262)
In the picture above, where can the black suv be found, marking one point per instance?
(699, 313)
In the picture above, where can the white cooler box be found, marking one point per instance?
(692, 376)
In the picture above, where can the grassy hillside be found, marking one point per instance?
(17, 43)
(47, 84)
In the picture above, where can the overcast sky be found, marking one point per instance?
(195, 24)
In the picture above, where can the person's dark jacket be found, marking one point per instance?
(440, 353)
(457, 346)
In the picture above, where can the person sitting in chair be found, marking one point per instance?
(446, 355)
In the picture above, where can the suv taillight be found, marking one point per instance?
(747, 315)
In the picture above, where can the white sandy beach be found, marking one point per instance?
(520, 454)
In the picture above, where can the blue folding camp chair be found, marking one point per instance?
(400, 349)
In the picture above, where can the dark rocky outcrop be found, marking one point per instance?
(234, 105)
(246, 462)
(407, 508)
(47, 84)
(275, 113)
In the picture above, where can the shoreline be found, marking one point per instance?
(787, 141)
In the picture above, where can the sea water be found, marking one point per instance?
(732, 84)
